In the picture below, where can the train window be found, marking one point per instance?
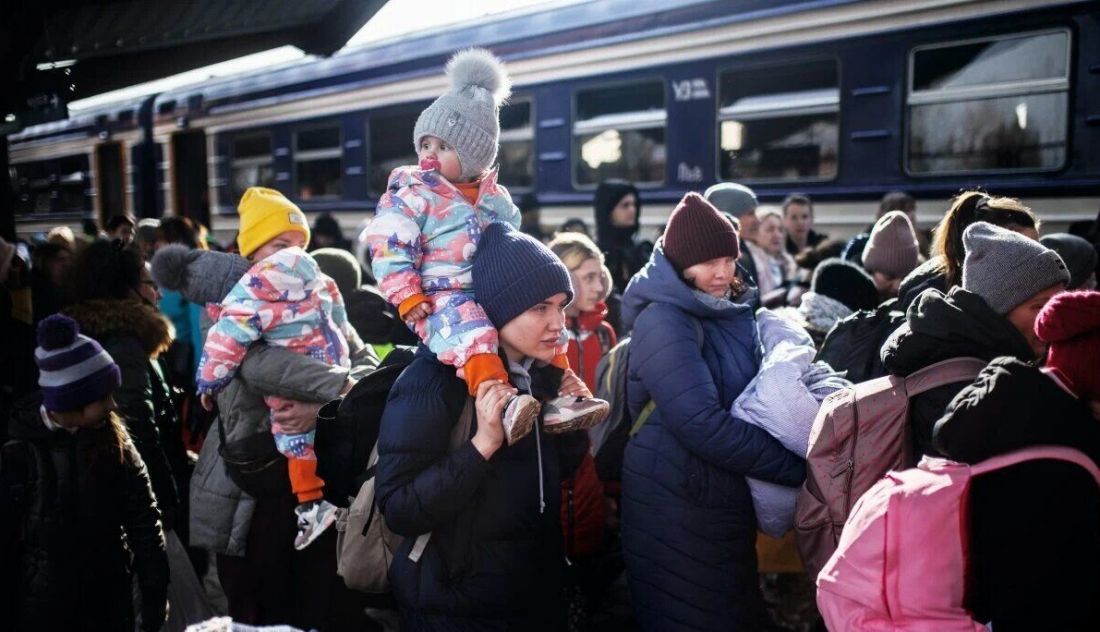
(391, 146)
(517, 146)
(779, 122)
(57, 185)
(252, 164)
(619, 132)
(318, 162)
(990, 104)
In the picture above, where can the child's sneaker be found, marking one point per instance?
(313, 518)
(565, 414)
(519, 417)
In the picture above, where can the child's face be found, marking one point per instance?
(433, 153)
(91, 416)
(289, 239)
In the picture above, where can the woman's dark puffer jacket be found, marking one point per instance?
(495, 558)
(66, 564)
(688, 526)
(1035, 528)
(939, 327)
(135, 334)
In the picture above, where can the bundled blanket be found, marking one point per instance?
(783, 399)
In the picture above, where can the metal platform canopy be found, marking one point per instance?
(53, 52)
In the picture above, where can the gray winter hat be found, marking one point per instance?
(730, 197)
(467, 116)
(1006, 268)
(200, 276)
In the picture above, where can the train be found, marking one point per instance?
(841, 100)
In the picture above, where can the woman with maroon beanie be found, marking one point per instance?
(1035, 527)
(688, 525)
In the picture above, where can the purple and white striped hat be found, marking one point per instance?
(74, 370)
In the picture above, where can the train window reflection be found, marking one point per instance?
(779, 122)
(619, 132)
(517, 146)
(52, 186)
(991, 104)
(251, 164)
(318, 163)
(391, 146)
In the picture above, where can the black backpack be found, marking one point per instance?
(347, 428)
(854, 344)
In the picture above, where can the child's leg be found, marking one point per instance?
(459, 333)
(301, 463)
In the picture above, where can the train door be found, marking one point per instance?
(191, 194)
(110, 181)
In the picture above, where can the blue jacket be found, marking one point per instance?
(494, 561)
(689, 529)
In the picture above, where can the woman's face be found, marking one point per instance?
(146, 288)
(887, 285)
(770, 236)
(91, 415)
(625, 212)
(588, 286)
(1023, 318)
(535, 333)
(713, 277)
(799, 220)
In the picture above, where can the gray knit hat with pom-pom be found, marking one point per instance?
(466, 117)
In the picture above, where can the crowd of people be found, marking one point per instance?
(598, 431)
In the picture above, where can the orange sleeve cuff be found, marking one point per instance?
(560, 361)
(481, 367)
(410, 303)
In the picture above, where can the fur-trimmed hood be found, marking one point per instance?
(100, 318)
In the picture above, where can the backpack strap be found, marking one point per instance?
(1058, 453)
(460, 434)
(944, 372)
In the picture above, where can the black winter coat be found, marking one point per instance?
(624, 252)
(939, 327)
(1035, 527)
(81, 523)
(135, 334)
(495, 558)
(854, 344)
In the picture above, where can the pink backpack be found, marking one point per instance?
(901, 562)
(860, 433)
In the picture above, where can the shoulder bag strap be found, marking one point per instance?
(943, 372)
(1035, 453)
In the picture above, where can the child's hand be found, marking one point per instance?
(418, 313)
(207, 401)
(573, 386)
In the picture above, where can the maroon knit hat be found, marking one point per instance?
(697, 232)
(1070, 323)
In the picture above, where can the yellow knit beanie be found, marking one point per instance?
(266, 214)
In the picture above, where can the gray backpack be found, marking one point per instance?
(364, 545)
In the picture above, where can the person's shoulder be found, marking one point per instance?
(428, 373)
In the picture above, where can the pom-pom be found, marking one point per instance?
(1068, 315)
(169, 267)
(478, 67)
(57, 332)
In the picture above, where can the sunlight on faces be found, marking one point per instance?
(712, 277)
(289, 239)
(588, 286)
(1026, 231)
(535, 332)
(433, 153)
(1023, 318)
(770, 235)
(625, 212)
(799, 220)
(91, 416)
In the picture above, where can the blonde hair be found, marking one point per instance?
(574, 249)
(763, 212)
(969, 207)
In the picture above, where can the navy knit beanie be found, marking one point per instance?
(513, 272)
(73, 370)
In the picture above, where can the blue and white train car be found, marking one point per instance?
(839, 99)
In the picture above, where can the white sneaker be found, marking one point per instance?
(519, 417)
(313, 518)
(565, 414)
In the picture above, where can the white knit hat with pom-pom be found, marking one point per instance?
(466, 117)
